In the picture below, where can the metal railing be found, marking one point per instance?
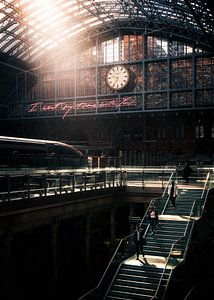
(178, 249)
(16, 187)
(187, 235)
(125, 249)
(190, 293)
(25, 186)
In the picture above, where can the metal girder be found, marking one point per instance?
(188, 20)
(182, 23)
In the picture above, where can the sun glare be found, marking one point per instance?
(51, 21)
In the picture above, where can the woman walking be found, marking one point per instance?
(153, 218)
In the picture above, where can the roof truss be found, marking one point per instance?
(29, 29)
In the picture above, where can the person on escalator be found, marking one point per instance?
(172, 192)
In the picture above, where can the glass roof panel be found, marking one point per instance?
(40, 25)
(11, 45)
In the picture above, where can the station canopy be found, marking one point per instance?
(30, 30)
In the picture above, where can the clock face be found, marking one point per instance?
(118, 77)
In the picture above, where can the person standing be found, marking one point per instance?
(172, 192)
(187, 171)
(153, 218)
(138, 240)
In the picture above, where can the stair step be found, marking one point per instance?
(143, 278)
(164, 246)
(118, 298)
(148, 290)
(167, 235)
(120, 290)
(161, 252)
(127, 296)
(167, 238)
(145, 267)
(138, 270)
(171, 225)
(135, 282)
(178, 224)
(157, 253)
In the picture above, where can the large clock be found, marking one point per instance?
(118, 77)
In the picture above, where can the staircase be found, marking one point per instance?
(135, 282)
(148, 277)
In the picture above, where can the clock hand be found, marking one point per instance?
(115, 80)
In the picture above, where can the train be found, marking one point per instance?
(16, 152)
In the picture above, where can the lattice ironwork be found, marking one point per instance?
(30, 30)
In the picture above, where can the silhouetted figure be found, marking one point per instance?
(138, 240)
(187, 171)
(172, 192)
(153, 218)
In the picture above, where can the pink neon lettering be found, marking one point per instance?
(66, 107)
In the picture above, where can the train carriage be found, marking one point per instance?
(36, 153)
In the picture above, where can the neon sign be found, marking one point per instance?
(66, 108)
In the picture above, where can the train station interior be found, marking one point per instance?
(104, 105)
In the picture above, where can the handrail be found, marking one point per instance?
(115, 252)
(159, 283)
(206, 181)
(47, 184)
(187, 225)
(190, 234)
(189, 293)
(152, 203)
(145, 233)
(184, 235)
(169, 181)
(115, 275)
(203, 192)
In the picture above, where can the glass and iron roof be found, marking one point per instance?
(31, 29)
